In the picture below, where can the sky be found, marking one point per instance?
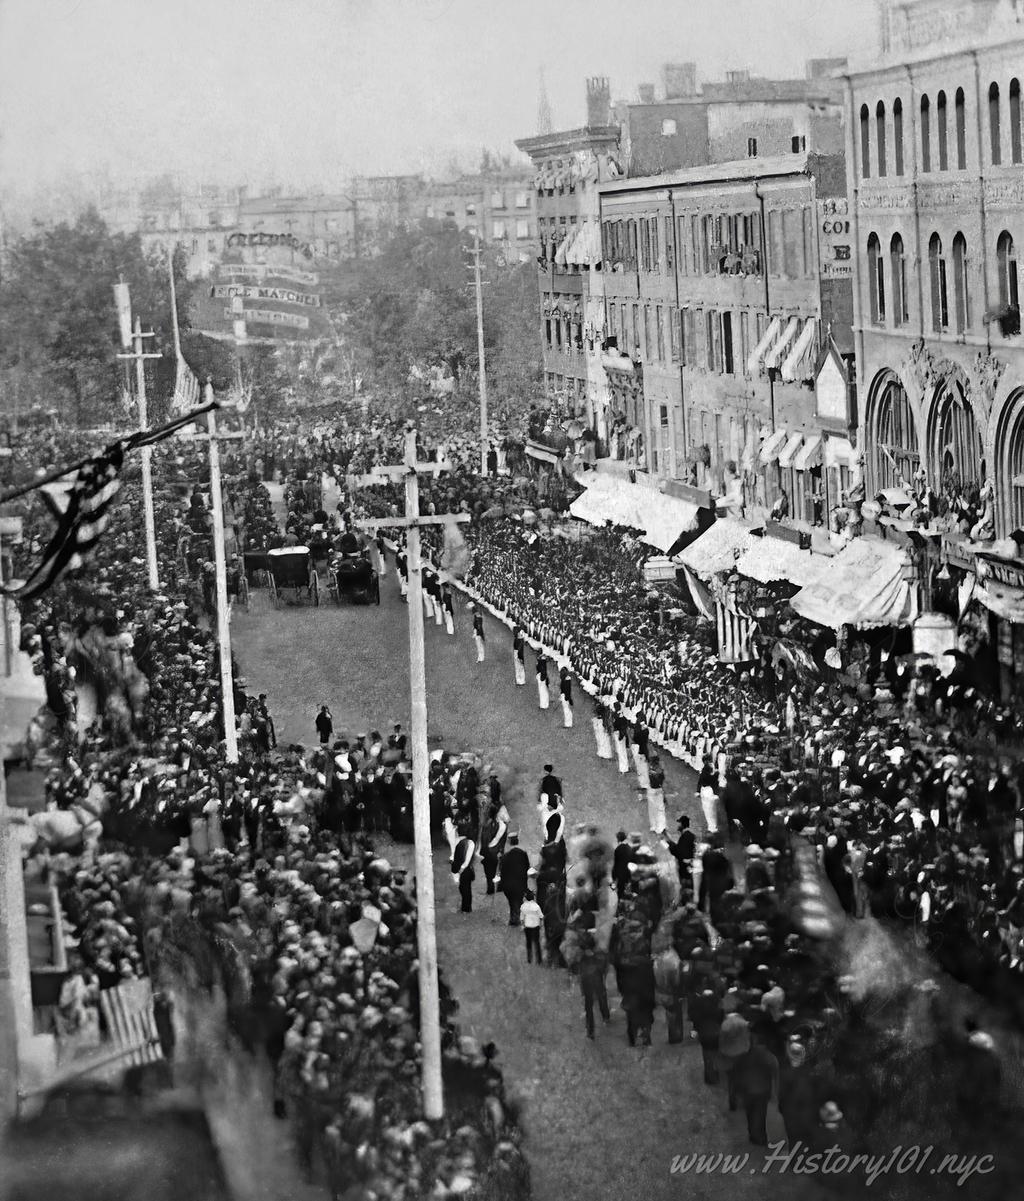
(315, 91)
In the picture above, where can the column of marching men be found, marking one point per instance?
(683, 926)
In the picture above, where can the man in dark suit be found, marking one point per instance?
(683, 850)
(515, 868)
(550, 785)
(622, 857)
(463, 873)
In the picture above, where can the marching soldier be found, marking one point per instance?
(478, 632)
(565, 691)
(519, 655)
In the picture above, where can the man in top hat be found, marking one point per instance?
(324, 725)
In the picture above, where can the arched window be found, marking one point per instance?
(993, 124)
(876, 281)
(940, 295)
(940, 118)
(892, 447)
(926, 134)
(898, 277)
(1011, 475)
(880, 137)
(865, 142)
(962, 308)
(1009, 282)
(955, 447)
(897, 134)
(961, 131)
(1015, 120)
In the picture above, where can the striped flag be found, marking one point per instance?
(82, 513)
(186, 388)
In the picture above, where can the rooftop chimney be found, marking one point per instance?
(599, 101)
(680, 80)
(646, 93)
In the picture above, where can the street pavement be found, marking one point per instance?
(602, 1121)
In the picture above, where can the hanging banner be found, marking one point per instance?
(124, 314)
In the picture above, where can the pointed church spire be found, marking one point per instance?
(544, 124)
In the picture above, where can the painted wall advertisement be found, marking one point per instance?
(835, 239)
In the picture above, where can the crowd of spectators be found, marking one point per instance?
(268, 851)
(910, 782)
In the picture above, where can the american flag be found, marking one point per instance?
(83, 514)
(186, 388)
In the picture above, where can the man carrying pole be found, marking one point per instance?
(426, 935)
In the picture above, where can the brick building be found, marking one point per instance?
(726, 289)
(738, 117)
(500, 205)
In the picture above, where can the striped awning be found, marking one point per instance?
(809, 455)
(759, 351)
(774, 356)
(788, 452)
(773, 444)
(799, 362)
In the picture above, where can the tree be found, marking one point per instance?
(412, 306)
(59, 335)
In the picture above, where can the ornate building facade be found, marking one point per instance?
(568, 168)
(936, 185)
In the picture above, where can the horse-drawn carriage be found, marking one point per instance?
(292, 567)
(353, 577)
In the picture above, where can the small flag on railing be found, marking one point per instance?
(83, 511)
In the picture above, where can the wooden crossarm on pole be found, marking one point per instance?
(377, 523)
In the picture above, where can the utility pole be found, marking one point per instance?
(147, 451)
(426, 936)
(16, 1021)
(480, 353)
(227, 683)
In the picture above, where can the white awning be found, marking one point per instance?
(767, 338)
(864, 586)
(774, 356)
(788, 452)
(799, 363)
(664, 518)
(661, 518)
(839, 452)
(770, 559)
(772, 445)
(809, 455)
(716, 549)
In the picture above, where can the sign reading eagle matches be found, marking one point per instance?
(275, 301)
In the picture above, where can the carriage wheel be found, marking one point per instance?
(274, 597)
(316, 590)
(376, 590)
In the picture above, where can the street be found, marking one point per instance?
(600, 1121)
